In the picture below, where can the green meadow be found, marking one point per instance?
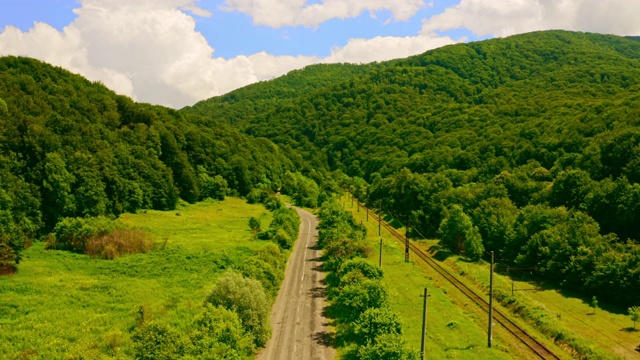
(601, 333)
(66, 305)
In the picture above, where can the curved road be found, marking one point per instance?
(299, 328)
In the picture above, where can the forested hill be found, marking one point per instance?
(533, 139)
(73, 148)
(239, 106)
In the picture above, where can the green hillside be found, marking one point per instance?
(242, 105)
(527, 145)
(73, 148)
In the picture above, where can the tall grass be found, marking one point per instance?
(99, 237)
(119, 242)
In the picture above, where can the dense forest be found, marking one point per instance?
(528, 146)
(70, 148)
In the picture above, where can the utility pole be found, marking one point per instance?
(424, 324)
(379, 217)
(490, 339)
(406, 244)
(358, 203)
(367, 210)
(380, 261)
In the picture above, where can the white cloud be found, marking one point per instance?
(385, 48)
(150, 50)
(508, 17)
(147, 50)
(279, 13)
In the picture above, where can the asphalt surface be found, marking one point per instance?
(299, 329)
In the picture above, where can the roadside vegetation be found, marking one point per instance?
(366, 328)
(203, 291)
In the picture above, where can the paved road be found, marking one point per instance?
(299, 328)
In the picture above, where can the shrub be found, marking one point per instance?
(218, 334)
(257, 269)
(99, 237)
(356, 298)
(248, 299)
(283, 239)
(375, 322)
(157, 341)
(119, 242)
(339, 251)
(361, 265)
(254, 224)
(271, 254)
(386, 347)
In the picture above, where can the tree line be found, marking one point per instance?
(365, 324)
(71, 148)
(527, 146)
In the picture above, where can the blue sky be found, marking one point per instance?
(177, 52)
(232, 33)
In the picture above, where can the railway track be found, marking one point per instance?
(534, 345)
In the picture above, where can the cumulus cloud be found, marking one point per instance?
(507, 17)
(150, 51)
(386, 48)
(279, 13)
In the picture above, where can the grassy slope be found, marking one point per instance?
(608, 330)
(60, 303)
(454, 330)
(609, 333)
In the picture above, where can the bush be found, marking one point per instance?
(157, 341)
(99, 237)
(248, 299)
(287, 220)
(339, 251)
(254, 225)
(73, 233)
(283, 239)
(375, 322)
(218, 334)
(386, 347)
(361, 265)
(271, 254)
(257, 269)
(356, 298)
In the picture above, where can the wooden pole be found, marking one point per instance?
(424, 325)
(490, 338)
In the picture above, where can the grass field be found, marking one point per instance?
(454, 330)
(62, 305)
(607, 333)
(607, 330)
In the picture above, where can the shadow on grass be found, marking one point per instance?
(629, 329)
(439, 253)
(324, 338)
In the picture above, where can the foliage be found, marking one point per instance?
(386, 347)
(73, 148)
(359, 267)
(634, 314)
(254, 225)
(99, 237)
(247, 298)
(374, 322)
(359, 298)
(515, 118)
(303, 191)
(218, 334)
(157, 340)
(460, 235)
